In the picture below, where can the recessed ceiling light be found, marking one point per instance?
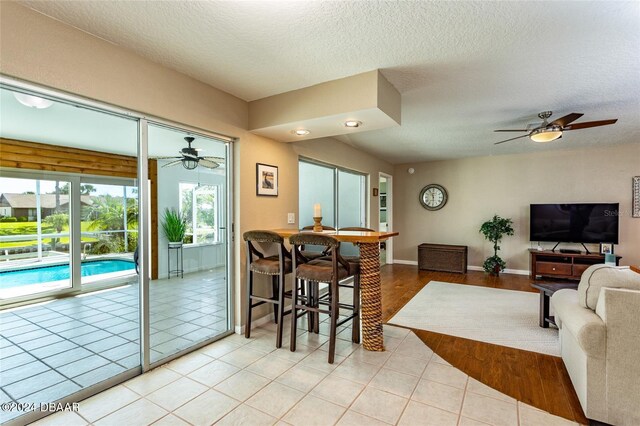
(352, 123)
(32, 101)
(300, 132)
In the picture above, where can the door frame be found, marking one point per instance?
(389, 194)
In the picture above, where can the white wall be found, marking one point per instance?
(505, 185)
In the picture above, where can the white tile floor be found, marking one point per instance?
(239, 381)
(51, 350)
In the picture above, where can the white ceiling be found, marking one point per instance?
(463, 68)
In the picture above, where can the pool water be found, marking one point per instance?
(43, 274)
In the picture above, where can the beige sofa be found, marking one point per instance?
(600, 342)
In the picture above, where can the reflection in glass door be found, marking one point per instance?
(188, 290)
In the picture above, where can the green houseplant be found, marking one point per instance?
(174, 226)
(493, 230)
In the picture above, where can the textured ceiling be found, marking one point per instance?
(463, 68)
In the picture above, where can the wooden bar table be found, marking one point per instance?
(371, 296)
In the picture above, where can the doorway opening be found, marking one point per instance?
(385, 214)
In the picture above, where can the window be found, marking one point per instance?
(199, 204)
(340, 192)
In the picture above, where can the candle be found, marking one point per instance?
(317, 210)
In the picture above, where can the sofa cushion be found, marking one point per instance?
(596, 277)
(588, 328)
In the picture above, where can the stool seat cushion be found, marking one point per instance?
(270, 266)
(321, 270)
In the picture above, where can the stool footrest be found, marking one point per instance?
(263, 300)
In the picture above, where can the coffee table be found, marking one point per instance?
(546, 291)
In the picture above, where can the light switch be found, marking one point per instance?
(291, 218)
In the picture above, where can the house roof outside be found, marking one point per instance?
(47, 201)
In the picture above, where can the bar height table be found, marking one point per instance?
(371, 296)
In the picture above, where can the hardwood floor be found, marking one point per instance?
(535, 379)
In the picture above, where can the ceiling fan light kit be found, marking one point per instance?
(189, 164)
(546, 135)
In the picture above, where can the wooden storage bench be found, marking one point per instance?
(442, 257)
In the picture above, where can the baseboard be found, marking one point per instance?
(405, 262)
(506, 271)
(239, 329)
(163, 276)
(470, 267)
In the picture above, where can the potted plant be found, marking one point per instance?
(174, 226)
(493, 230)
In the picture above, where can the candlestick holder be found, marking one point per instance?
(317, 224)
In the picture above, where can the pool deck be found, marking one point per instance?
(53, 349)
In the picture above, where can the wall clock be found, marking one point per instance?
(433, 197)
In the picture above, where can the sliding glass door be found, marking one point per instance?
(64, 171)
(189, 289)
(92, 290)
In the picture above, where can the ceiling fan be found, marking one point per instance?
(547, 132)
(190, 159)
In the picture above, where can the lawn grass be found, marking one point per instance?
(31, 228)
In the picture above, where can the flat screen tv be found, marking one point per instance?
(574, 223)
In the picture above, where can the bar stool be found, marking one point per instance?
(310, 255)
(276, 266)
(330, 270)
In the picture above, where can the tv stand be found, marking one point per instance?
(552, 264)
(570, 250)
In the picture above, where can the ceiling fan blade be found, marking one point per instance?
(588, 124)
(208, 163)
(563, 121)
(216, 159)
(164, 158)
(512, 130)
(173, 163)
(188, 155)
(512, 139)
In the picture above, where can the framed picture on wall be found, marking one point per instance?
(636, 196)
(266, 180)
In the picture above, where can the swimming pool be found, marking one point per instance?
(43, 274)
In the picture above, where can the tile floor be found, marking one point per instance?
(54, 349)
(238, 381)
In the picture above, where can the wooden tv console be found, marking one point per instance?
(553, 264)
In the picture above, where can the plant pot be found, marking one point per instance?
(175, 244)
(496, 270)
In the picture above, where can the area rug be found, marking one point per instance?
(491, 315)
